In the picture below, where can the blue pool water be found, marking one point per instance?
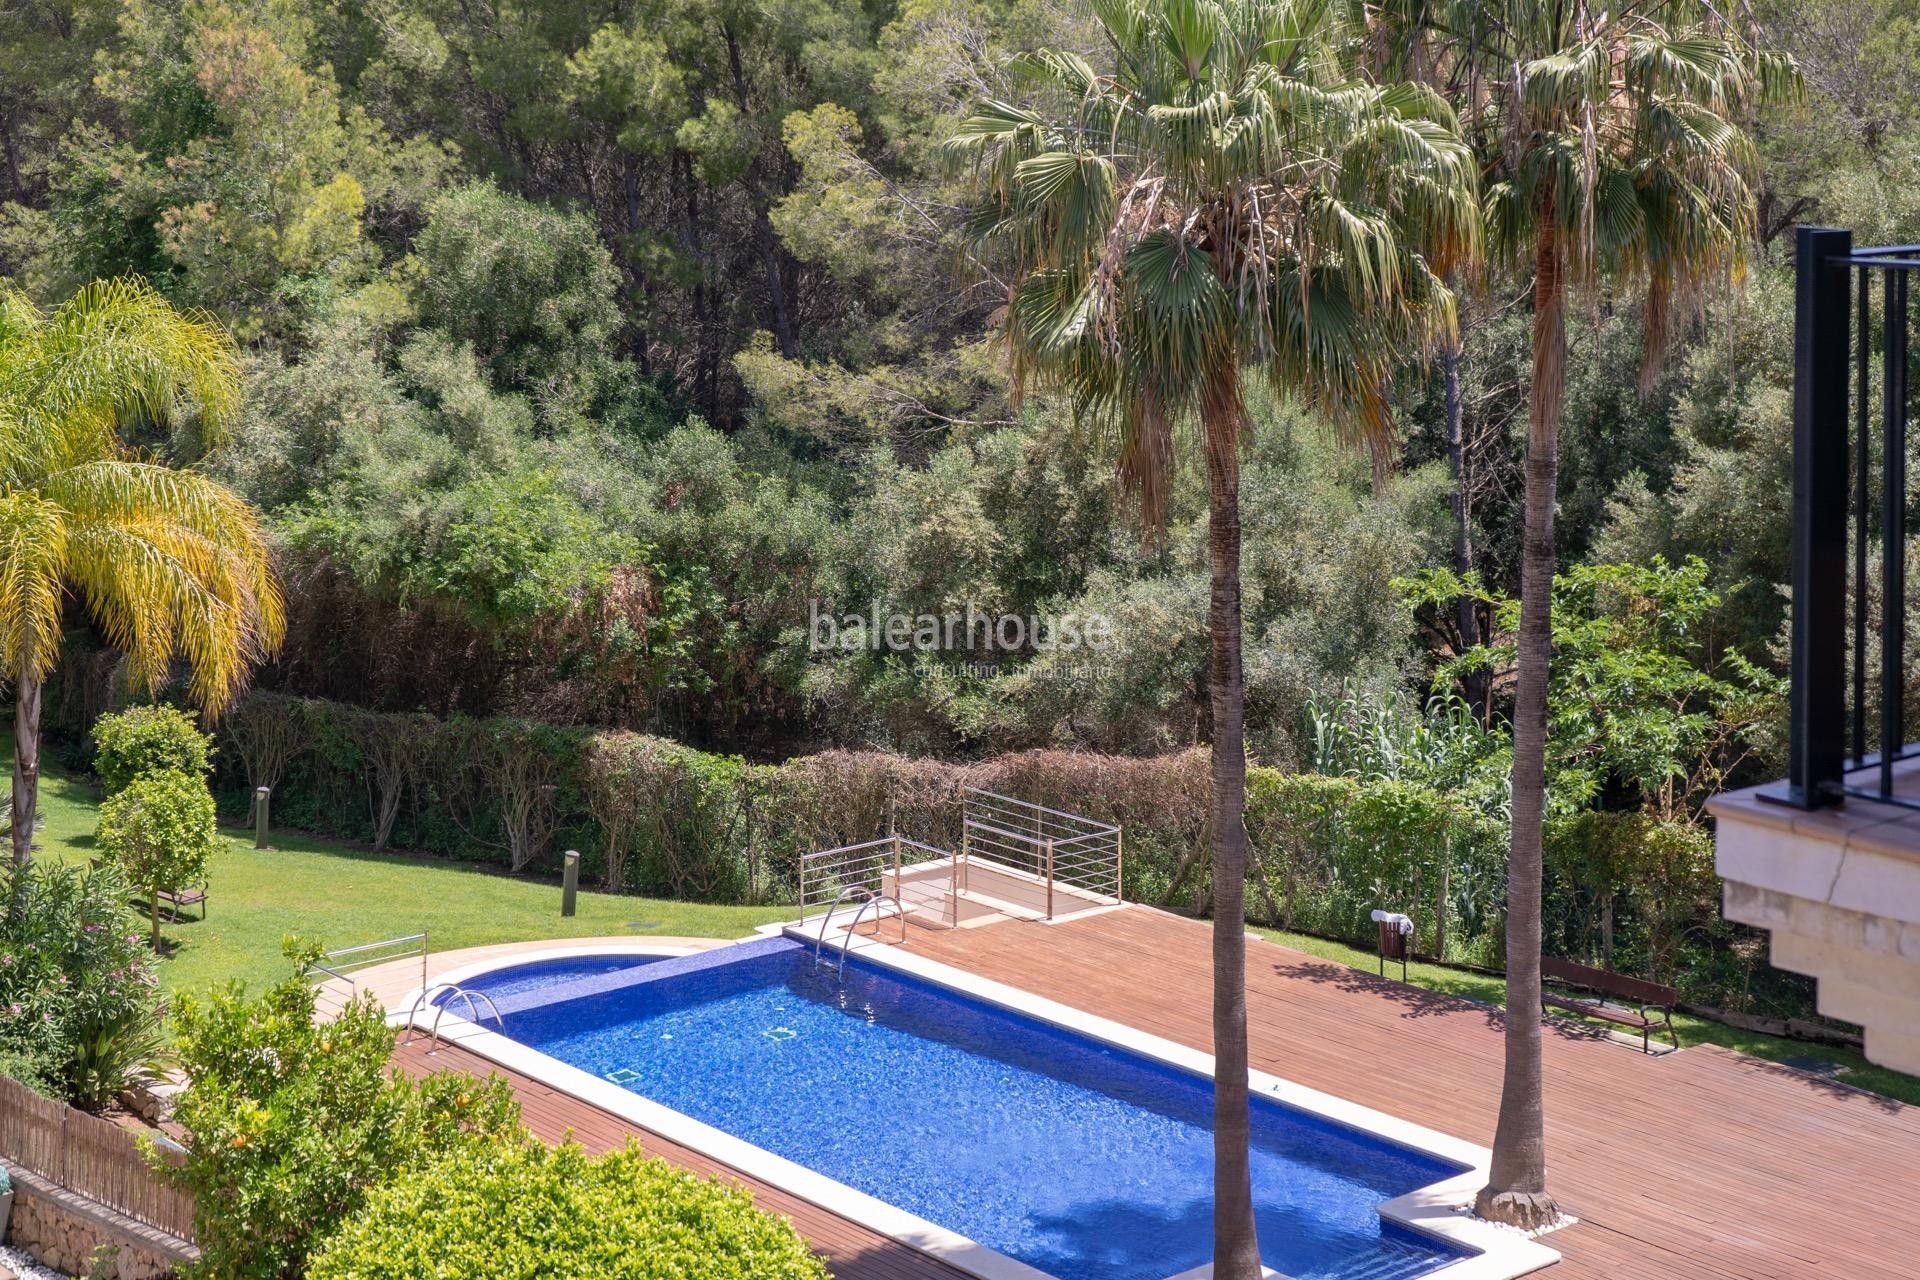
(1082, 1160)
(541, 975)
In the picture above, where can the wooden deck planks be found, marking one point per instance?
(1704, 1165)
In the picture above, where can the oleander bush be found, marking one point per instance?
(148, 739)
(80, 1006)
(291, 1124)
(161, 830)
(524, 1211)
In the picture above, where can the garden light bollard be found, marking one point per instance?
(261, 796)
(570, 882)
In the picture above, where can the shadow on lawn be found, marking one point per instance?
(1819, 1083)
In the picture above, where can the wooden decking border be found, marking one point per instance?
(1701, 1165)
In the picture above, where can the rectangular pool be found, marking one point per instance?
(1086, 1161)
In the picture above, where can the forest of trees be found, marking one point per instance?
(587, 345)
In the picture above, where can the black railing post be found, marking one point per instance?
(1893, 528)
(1817, 733)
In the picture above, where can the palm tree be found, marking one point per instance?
(1225, 198)
(1614, 143)
(165, 562)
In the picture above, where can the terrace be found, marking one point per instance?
(1701, 1163)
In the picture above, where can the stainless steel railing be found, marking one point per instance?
(883, 866)
(1061, 848)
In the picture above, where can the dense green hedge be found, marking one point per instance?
(658, 817)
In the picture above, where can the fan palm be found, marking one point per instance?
(1226, 199)
(166, 563)
(1615, 146)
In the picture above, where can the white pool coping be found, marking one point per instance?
(1440, 1210)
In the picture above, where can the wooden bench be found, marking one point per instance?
(178, 898)
(1643, 994)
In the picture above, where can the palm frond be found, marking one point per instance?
(1179, 220)
(118, 347)
(33, 562)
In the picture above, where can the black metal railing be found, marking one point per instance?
(1831, 754)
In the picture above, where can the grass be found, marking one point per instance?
(1849, 1066)
(340, 895)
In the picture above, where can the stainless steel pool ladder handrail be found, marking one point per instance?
(827, 920)
(872, 900)
(453, 992)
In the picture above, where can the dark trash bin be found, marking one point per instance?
(1396, 935)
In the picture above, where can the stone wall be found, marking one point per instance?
(70, 1233)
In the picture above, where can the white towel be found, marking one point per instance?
(1403, 923)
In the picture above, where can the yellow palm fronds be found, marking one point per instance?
(168, 563)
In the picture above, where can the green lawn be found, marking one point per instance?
(1854, 1069)
(341, 895)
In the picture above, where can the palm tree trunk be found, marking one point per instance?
(1476, 684)
(1236, 1251)
(1516, 1190)
(26, 764)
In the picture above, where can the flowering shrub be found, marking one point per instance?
(79, 1004)
(290, 1123)
(523, 1211)
(143, 740)
(161, 831)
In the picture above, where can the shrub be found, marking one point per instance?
(290, 1124)
(685, 813)
(143, 740)
(521, 1211)
(79, 1003)
(160, 831)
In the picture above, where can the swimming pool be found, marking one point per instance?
(1074, 1157)
(540, 975)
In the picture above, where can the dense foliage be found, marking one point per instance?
(525, 1211)
(586, 348)
(79, 1002)
(161, 831)
(593, 355)
(292, 1122)
(148, 739)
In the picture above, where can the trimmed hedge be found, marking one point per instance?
(660, 818)
(657, 817)
(524, 1211)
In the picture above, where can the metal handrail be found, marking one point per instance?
(473, 1011)
(827, 919)
(847, 946)
(426, 994)
(1024, 805)
(342, 964)
(372, 946)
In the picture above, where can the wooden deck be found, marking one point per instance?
(1703, 1165)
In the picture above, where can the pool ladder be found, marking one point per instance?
(440, 1011)
(872, 899)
